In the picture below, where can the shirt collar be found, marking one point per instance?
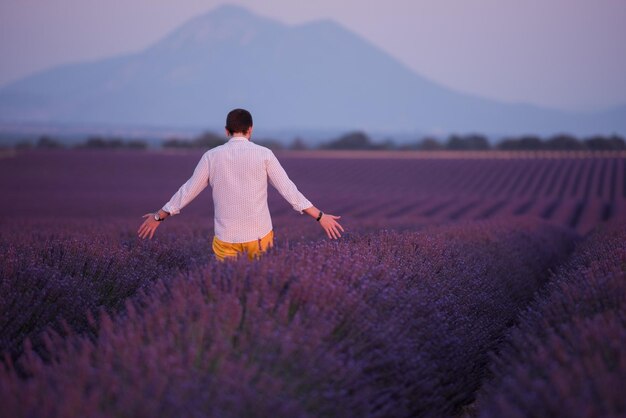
(238, 138)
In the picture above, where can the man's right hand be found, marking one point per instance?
(147, 228)
(331, 226)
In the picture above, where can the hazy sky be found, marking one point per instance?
(559, 53)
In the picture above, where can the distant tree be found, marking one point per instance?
(208, 140)
(136, 144)
(508, 144)
(467, 142)
(387, 144)
(350, 141)
(116, 143)
(527, 142)
(429, 144)
(530, 142)
(46, 142)
(612, 143)
(271, 144)
(98, 142)
(94, 142)
(176, 143)
(298, 144)
(477, 142)
(617, 142)
(564, 142)
(409, 146)
(455, 142)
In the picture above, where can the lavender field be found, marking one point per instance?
(466, 284)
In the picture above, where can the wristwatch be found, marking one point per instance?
(157, 217)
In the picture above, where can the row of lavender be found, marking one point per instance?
(379, 324)
(54, 273)
(579, 192)
(567, 356)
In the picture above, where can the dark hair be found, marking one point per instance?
(238, 120)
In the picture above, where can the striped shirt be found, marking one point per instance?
(238, 172)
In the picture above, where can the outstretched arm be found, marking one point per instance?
(327, 221)
(279, 179)
(185, 194)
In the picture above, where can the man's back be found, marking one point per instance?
(238, 172)
(238, 177)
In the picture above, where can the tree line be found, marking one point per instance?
(476, 142)
(358, 140)
(94, 142)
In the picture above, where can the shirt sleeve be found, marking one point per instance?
(198, 181)
(287, 189)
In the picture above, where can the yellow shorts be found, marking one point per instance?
(253, 249)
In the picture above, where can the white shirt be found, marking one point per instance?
(238, 172)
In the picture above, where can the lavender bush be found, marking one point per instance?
(46, 277)
(566, 357)
(380, 324)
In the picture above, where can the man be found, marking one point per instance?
(238, 172)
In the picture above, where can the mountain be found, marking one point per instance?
(312, 76)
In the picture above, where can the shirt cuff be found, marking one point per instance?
(303, 205)
(170, 209)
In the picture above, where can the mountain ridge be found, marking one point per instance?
(314, 75)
